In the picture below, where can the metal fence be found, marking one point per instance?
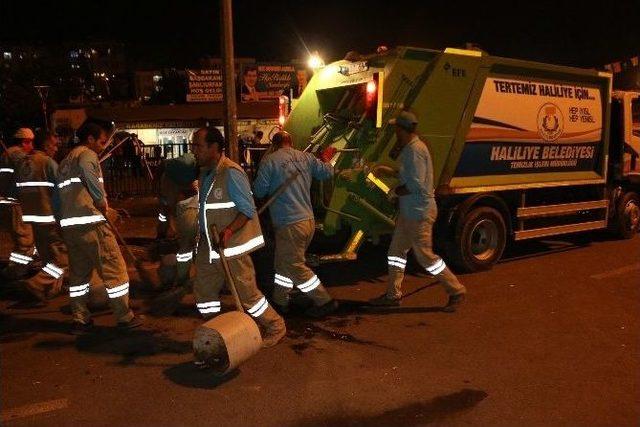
(130, 175)
(138, 175)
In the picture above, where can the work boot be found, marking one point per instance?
(273, 331)
(454, 303)
(55, 289)
(281, 309)
(167, 275)
(135, 322)
(34, 289)
(323, 310)
(168, 302)
(384, 301)
(80, 328)
(280, 299)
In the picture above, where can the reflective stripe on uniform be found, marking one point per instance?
(310, 284)
(68, 182)
(184, 257)
(53, 270)
(118, 291)
(437, 267)
(19, 258)
(283, 281)
(39, 218)
(162, 218)
(224, 205)
(35, 184)
(79, 220)
(397, 262)
(78, 291)
(8, 201)
(6, 170)
(240, 249)
(209, 307)
(259, 308)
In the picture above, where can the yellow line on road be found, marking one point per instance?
(33, 409)
(617, 271)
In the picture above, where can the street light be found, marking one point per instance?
(315, 61)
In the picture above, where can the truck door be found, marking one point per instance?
(631, 154)
(632, 145)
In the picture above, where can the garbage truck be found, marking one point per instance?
(520, 150)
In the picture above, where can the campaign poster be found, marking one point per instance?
(205, 85)
(262, 82)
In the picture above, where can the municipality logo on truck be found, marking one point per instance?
(524, 126)
(550, 122)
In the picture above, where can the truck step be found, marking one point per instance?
(560, 229)
(563, 209)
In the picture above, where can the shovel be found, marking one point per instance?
(227, 340)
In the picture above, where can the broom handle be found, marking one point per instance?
(227, 270)
(278, 191)
(121, 241)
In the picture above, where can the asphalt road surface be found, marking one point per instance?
(548, 337)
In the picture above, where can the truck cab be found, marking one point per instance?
(624, 171)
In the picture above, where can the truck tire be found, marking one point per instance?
(628, 215)
(480, 239)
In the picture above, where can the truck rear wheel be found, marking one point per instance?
(480, 239)
(628, 215)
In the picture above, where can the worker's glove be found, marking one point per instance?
(327, 154)
(225, 236)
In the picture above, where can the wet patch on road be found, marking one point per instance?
(300, 348)
(306, 333)
(342, 323)
(435, 410)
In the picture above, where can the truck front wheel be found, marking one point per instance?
(628, 215)
(480, 239)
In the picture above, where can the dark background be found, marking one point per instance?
(177, 33)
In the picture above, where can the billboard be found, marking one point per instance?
(259, 82)
(204, 85)
(533, 126)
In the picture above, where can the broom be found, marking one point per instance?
(149, 276)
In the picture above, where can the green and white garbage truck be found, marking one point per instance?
(520, 149)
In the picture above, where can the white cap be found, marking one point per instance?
(406, 120)
(24, 133)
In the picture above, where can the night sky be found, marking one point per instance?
(177, 33)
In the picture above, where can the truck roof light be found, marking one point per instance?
(371, 87)
(315, 61)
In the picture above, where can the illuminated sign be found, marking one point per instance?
(353, 68)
